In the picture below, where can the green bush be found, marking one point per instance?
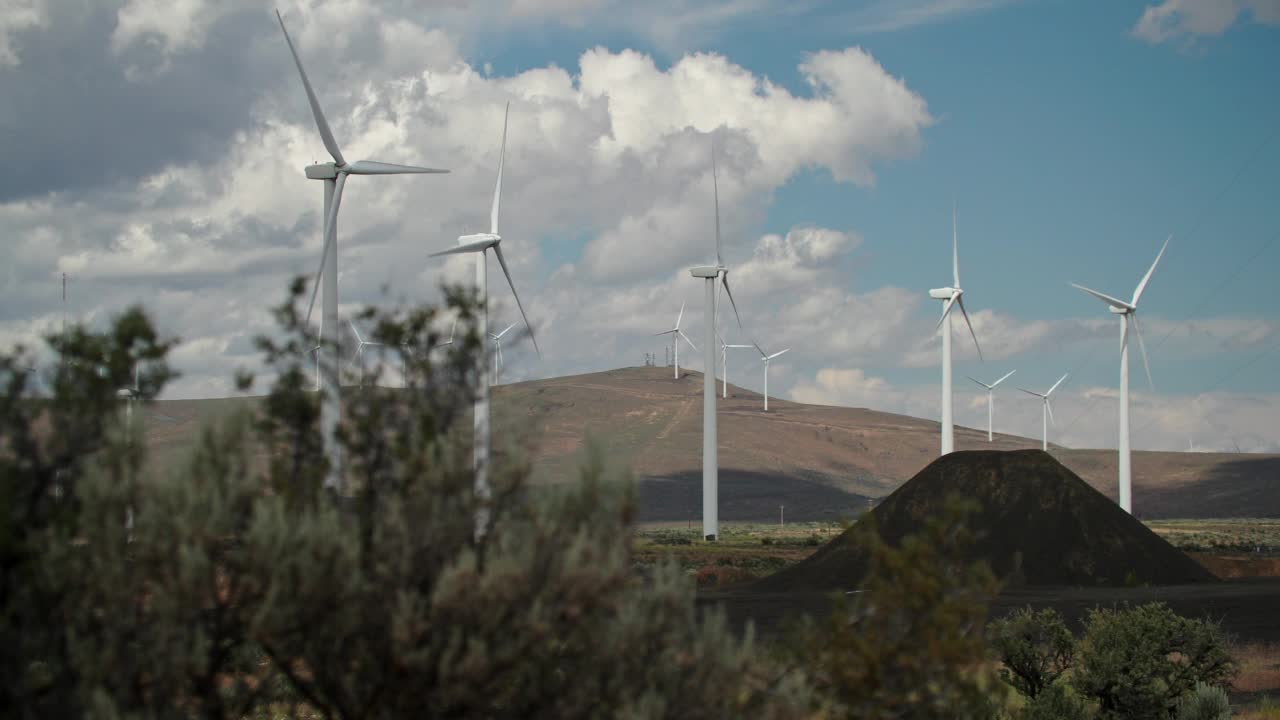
(1056, 702)
(1136, 663)
(1206, 702)
(1034, 647)
(909, 643)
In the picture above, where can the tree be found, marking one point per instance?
(1137, 662)
(1034, 647)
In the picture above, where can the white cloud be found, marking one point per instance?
(16, 16)
(1190, 19)
(894, 15)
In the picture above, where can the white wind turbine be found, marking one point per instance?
(129, 395)
(480, 244)
(1047, 412)
(710, 460)
(767, 358)
(991, 397)
(334, 175)
(316, 351)
(724, 363)
(676, 334)
(953, 296)
(1128, 311)
(497, 343)
(361, 343)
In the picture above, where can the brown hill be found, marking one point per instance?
(1037, 524)
(820, 462)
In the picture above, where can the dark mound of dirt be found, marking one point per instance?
(1038, 524)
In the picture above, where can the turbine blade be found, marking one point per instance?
(686, 339)
(715, 186)
(372, 167)
(946, 309)
(497, 250)
(980, 382)
(665, 332)
(1147, 278)
(729, 292)
(497, 188)
(680, 316)
(1031, 392)
(1006, 377)
(1137, 329)
(965, 313)
(1119, 304)
(321, 124)
(1049, 406)
(506, 330)
(356, 331)
(779, 353)
(1055, 385)
(955, 249)
(329, 237)
(477, 246)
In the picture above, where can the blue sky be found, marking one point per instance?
(1072, 138)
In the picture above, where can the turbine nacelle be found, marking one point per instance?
(480, 238)
(706, 271)
(322, 171)
(945, 293)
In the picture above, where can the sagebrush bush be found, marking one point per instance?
(1034, 647)
(1056, 702)
(1206, 702)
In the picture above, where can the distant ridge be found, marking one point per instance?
(1038, 524)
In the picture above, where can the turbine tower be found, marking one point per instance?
(480, 244)
(767, 358)
(991, 398)
(1046, 412)
(676, 334)
(952, 296)
(710, 461)
(1128, 312)
(334, 174)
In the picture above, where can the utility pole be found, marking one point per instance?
(782, 518)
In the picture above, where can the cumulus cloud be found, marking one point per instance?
(1191, 19)
(15, 16)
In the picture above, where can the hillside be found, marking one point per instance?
(1037, 523)
(820, 462)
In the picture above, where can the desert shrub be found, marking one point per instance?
(1206, 702)
(1056, 702)
(245, 589)
(1034, 647)
(908, 644)
(1136, 663)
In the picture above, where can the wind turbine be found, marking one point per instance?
(767, 358)
(316, 351)
(480, 244)
(497, 341)
(361, 343)
(1128, 311)
(129, 395)
(724, 363)
(1047, 412)
(334, 175)
(953, 296)
(710, 461)
(991, 399)
(676, 333)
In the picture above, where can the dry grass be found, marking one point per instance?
(1259, 667)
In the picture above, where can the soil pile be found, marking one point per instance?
(1038, 524)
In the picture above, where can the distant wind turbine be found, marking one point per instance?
(130, 395)
(334, 175)
(361, 343)
(991, 399)
(767, 358)
(710, 460)
(1128, 312)
(1047, 412)
(480, 244)
(953, 296)
(497, 343)
(676, 335)
(724, 363)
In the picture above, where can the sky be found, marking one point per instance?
(154, 152)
